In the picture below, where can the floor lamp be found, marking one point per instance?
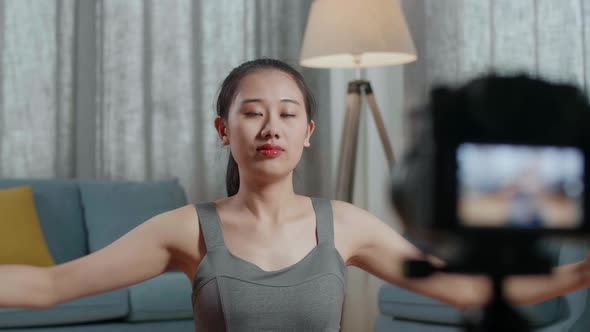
(356, 34)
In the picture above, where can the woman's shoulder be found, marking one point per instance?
(344, 211)
(188, 246)
(353, 219)
(349, 227)
(183, 223)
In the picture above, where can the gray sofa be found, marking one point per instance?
(80, 217)
(401, 310)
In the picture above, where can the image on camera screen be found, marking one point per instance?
(520, 186)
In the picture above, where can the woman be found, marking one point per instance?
(264, 257)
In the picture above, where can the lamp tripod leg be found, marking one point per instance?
(372, 102)
(348, 144)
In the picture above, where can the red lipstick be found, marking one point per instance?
(270, 150)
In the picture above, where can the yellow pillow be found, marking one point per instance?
(21, 238)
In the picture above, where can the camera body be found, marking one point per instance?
(494, 166)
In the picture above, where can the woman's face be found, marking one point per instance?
(267, 126)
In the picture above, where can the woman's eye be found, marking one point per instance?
(288, 115)
(253, 114)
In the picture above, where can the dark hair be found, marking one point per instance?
(229, 90)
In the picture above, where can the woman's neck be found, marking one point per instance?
(267, 202)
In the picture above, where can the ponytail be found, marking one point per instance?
(232, 177)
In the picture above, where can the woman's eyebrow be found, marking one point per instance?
(258, 100)
(287, 100)
(251, 100)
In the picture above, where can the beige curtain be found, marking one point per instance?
(125, 89)
(458, 39)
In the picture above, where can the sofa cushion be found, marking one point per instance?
(400, 303)
(185, 325)
(164, 297)
(406, 305)
(60, 214)
(112, 209)
(111, 305)
(390, 324)
(21, 237)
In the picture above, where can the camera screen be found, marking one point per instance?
(520, 186)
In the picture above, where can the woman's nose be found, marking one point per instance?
(271, 127)
(269, 131)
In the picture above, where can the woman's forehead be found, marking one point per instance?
(269, 85)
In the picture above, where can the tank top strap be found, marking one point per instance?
(210, 225)
(324, 219)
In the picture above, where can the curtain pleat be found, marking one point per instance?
(513, 38)
(122, 110)
(35, 104)
(476, 38)
(560, 41)
(64, 90)
(443, 38)
(171, 91)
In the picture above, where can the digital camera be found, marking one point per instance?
(493, 166)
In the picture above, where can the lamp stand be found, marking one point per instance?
(357, 89)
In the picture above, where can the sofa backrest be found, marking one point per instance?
(112, 209)
(59, 207)
(78, 217)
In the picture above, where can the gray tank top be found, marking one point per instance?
(232, 294)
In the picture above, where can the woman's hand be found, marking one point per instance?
(563, 279)
(582, 269)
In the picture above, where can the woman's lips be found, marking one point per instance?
(270, 150)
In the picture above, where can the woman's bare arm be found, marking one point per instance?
(380, 250)
(23, 286)
(162, 243)
(534, 289)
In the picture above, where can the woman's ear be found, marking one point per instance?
(310, 129)
(221, 130)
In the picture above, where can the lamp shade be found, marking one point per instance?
(356, 33)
